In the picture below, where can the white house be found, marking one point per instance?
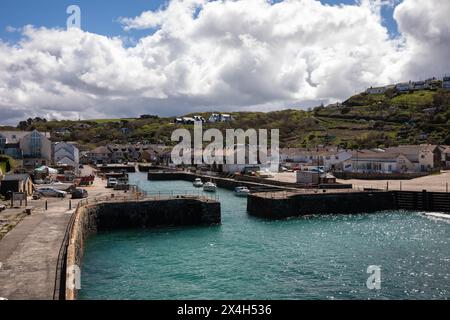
(368, 161)
(406, 158)
(329, 158)
(226, 118)
(66, 153)
(215, 117)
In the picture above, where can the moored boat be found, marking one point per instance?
(241, 191)
(210, 187)
(198, 183)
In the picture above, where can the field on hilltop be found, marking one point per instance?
(364, 120)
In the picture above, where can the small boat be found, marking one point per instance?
(198, 183)
(241, 191)
(209, 187)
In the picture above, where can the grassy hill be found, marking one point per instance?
(362, 121)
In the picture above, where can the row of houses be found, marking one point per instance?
(121, 153)
(401, 159)
(214, 118)
(34, 149)
(404, 87)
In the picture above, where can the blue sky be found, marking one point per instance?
(239, 56)
(100, 16)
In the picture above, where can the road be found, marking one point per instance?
(29, 252)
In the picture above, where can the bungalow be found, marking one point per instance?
(376, 90)
(329, 158)
(368, 161)
(16, 183)
(420, 85)
(215, 117)
(403, 87)
(406, 158)
(226, 118)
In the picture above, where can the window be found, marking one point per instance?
(35, 145)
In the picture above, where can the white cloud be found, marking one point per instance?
(11, 29)
(229, 55)
(425, 26)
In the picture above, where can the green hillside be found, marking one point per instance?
(362, 121)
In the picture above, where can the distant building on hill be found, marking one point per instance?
(379, 90)
(216, 117)
(403, 87)
(446, 83)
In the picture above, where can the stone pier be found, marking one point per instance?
(90, 219)
(280, 205)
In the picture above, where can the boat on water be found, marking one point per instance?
(198, 183)
(210, 187)
(241, 191)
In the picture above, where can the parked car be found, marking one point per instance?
(112, 182)
(51, 192)
(36, 196)
(2, 207)
(79, 194)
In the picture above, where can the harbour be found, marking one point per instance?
(309, 257)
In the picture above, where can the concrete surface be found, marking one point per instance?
(29, 252)
(433, 183)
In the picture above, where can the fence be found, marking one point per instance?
(135, 194)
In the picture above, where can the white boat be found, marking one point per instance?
(198, 183)
(210, 187)
(241, 191)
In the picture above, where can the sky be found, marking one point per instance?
(181, 56)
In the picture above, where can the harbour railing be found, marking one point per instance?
(140, 195)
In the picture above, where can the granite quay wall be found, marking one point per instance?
(107, 216)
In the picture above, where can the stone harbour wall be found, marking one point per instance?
(320, 203)
(130, 215)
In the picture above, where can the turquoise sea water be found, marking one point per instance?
(324, 257)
